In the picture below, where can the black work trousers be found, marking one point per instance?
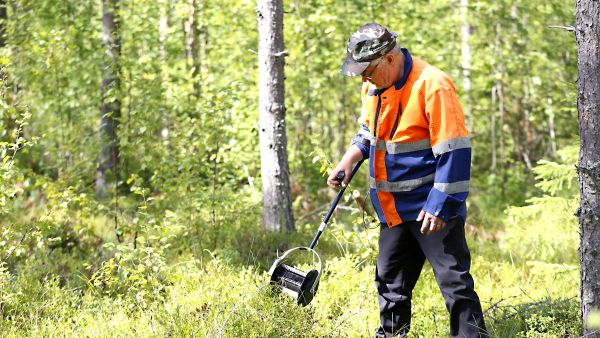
(402, 253)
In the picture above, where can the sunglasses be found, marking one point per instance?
(372, 69)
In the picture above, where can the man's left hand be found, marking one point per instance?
(431, 224)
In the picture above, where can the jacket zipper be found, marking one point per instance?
(397, 120)
(377, 115)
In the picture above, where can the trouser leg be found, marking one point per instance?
(399, 264)
(449, 256)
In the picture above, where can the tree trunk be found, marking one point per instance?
(163, 29)
(500, 93)
(199, 46)
(465, 52)
(195, 42)
(551, 129)
(3, 18)
(587, 34)
(493, 130)
(110, 90)
(277, 205)
(188, 28)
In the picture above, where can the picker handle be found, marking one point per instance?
(334, 204)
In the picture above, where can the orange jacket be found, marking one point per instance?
(419, 150)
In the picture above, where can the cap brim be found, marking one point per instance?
(353, 68)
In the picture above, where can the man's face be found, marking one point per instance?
(367, 75)
(382, 72)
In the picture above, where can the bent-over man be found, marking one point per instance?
(412, 130)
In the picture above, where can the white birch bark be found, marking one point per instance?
(277, 204)
(110, 109)
(465, 52)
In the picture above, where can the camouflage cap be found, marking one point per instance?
(368, 43)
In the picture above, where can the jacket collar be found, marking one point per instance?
(408, 63)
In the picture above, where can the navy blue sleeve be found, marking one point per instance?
(362, 140)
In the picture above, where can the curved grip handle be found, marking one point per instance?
(280, 259)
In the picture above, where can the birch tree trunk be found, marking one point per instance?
(551, 129)
(500, 68)
(277, 205)
(465, 52)
(587, 33)
(110, 108)
(163, 29)
(500, 93)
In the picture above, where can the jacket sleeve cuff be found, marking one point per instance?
(362, 141)
(443, 205)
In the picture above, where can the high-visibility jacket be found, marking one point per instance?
(418, 147)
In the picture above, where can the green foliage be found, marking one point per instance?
(546, 318)
(178, 249)
(211, 297)
(493, 192)
(559, 179)
(546, 229)
(135, 274)
(11, 142)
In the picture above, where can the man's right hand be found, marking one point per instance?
(343, 166)
(351, 156)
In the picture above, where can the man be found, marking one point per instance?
(413, 132)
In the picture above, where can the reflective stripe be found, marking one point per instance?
(358, 138)
(400, 148)
(379, 145)
(400, 186)
(407, 147)
(363, 136)
(452, 188)
(451, 144)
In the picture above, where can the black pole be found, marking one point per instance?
(334, 204)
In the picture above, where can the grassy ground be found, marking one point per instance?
(224, 294)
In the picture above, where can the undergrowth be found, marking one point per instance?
(213, 296)
(74, 272)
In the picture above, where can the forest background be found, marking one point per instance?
(173, 243)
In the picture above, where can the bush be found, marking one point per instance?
(135, 274)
